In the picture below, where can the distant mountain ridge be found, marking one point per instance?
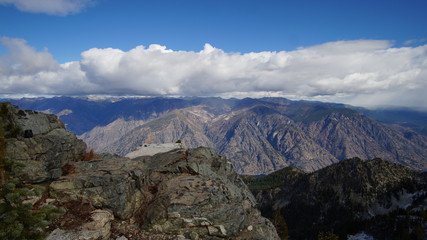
(384, 199)
(258, 135)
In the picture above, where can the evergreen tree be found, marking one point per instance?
(18, 219)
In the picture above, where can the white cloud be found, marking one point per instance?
(52, 7)
(23, 59)
(360, 72)
(415, 41)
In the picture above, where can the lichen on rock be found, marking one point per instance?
(181, 192)
(41, 156)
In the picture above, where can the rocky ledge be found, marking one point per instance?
(181, 194)
(39, 144)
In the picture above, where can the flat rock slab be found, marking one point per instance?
(151, 149)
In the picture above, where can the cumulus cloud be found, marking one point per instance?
(52, 7)
(362, 72)
(23, 70)
(22, 58)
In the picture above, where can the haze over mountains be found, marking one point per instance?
(258, 135)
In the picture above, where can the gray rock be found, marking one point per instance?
(122, 238)
(41, 157)
(194, 192)
(37, 122)
(97, 229)
(113, 183)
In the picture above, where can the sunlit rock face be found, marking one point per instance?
(41, 145)
(192, 192)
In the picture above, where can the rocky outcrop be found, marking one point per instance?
(41, 145)
(98, 227)
(190, 193)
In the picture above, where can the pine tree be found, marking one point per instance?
(18, 220)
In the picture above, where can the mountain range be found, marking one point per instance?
(259, 135)
(375, 197)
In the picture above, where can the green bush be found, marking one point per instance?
(19, 220)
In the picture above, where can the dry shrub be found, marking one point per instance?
(184, 155)
(78, 212)
(90, 155)
(153, 189)
(139, 216)
(41, 202)
(68, 169)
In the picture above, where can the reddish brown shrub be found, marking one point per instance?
(153, 189)
(78, 212)
(68, 169)
(90, 155)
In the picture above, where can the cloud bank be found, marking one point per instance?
(362, 72)
(51, 7)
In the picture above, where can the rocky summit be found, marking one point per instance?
(180, 194)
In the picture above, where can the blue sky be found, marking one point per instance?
(231, 25)
(69, 38)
